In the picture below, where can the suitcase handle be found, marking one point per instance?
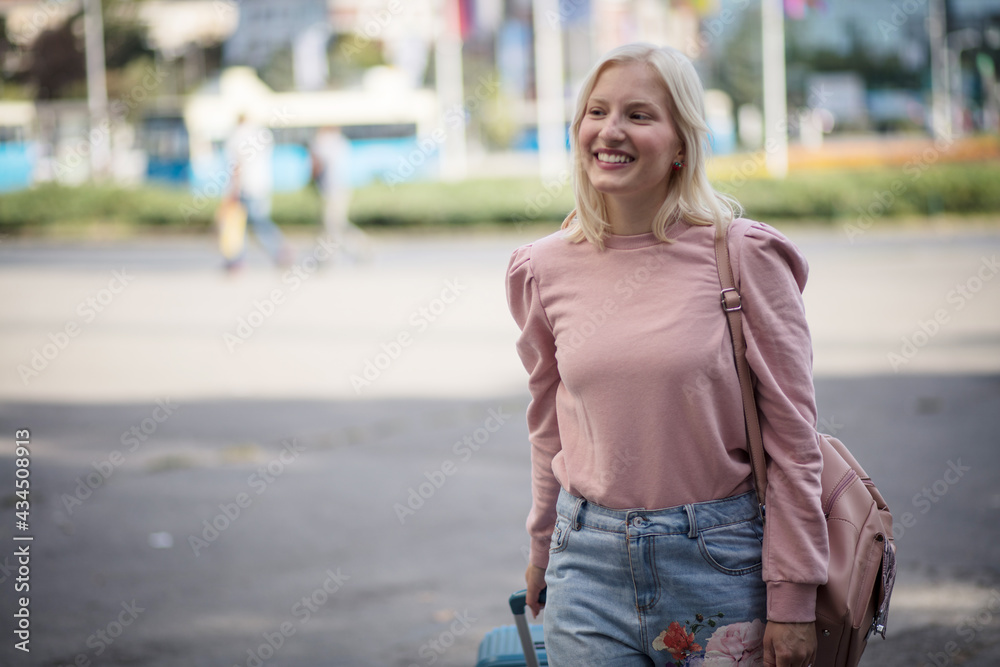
(518, 602)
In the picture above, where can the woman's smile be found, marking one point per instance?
(609, 157)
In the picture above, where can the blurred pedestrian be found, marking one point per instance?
(645, 527)
(249, 153)
(330, 153)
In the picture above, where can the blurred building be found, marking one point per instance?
(886, 46)
(175, 28)
(266, 28)
(457, 82)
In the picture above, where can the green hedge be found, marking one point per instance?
(509, 200)
(828, 195)
(149, 206)
(909, 191)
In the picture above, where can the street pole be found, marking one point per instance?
(450, 89)
(775, 98)
(940, 85)
(97, 90)
(549, 83)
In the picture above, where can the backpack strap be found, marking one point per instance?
(732, 306)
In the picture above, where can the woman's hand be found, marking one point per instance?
(789, 644)
(535, 578)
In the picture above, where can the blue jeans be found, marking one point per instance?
(259, 220)
(677, 586)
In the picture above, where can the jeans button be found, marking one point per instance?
(638, 522)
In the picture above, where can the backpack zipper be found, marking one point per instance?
(838, 491)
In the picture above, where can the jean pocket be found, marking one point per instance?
(560, 535)
(734, 549)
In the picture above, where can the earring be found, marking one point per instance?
(678, 166)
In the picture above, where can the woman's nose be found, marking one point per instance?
(612, 129)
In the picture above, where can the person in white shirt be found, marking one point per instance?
(330, 152)
(249, 153)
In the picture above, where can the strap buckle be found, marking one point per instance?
(738, 305)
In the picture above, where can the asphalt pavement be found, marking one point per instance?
(326, 465)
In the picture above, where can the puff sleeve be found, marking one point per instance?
(772, 274)
(537, 349)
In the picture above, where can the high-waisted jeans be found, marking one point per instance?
(677, 586)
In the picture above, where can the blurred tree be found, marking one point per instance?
(279, 72)
(125, 37)
(878, 69)
(6, 47)
(55, 63)
(349, 55)
(10, 55)
(738, 69)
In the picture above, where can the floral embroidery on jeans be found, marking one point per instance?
(678, 641)
(733, 645)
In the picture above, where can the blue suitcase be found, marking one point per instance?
(518, 645)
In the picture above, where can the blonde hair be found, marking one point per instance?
(689, 196)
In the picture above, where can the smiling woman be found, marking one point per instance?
(645, 529)
(628, 144)
(640, 141)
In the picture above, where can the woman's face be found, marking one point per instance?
(627, 140)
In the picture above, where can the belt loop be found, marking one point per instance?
(692, 521)
(575, 519)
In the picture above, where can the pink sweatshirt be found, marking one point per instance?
(635, 398)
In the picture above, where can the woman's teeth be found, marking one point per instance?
(607, 157)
